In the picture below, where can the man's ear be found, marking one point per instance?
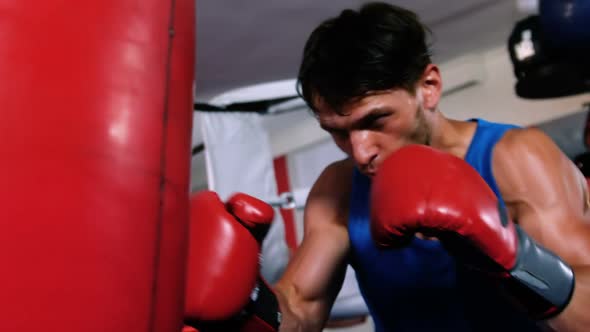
(431, 87)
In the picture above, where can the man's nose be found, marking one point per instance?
(363, 149)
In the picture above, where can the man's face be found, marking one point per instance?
(369, 129)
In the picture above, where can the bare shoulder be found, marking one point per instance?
(522, 156)
(329, 196)
(531, 171)
(531, 141)
(335, 178)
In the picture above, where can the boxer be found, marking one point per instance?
(450, 225)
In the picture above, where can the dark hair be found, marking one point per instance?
(376, 48)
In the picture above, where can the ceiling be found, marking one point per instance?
(247, 42)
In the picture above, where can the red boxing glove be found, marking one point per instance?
(419, 189)
(224, 291)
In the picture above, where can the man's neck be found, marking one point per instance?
(451, 136)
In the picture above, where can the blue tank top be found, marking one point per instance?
(420, 287)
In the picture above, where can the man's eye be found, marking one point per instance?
(378, 121)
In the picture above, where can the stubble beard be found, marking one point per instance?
(422, 132)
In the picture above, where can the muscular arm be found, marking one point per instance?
(315, 274)
(547, 196)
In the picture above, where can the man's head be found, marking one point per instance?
(367, 76)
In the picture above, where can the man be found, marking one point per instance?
(458, 262)
(369, 80)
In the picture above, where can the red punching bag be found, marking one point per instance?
(95, 125)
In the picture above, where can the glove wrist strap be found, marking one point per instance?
(262, 312)
(540, 280)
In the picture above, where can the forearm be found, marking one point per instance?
(299, 315)
(308, 287)
(575, 317)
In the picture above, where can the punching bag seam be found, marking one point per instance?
(162, 184)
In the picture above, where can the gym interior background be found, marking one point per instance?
(248, 56)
